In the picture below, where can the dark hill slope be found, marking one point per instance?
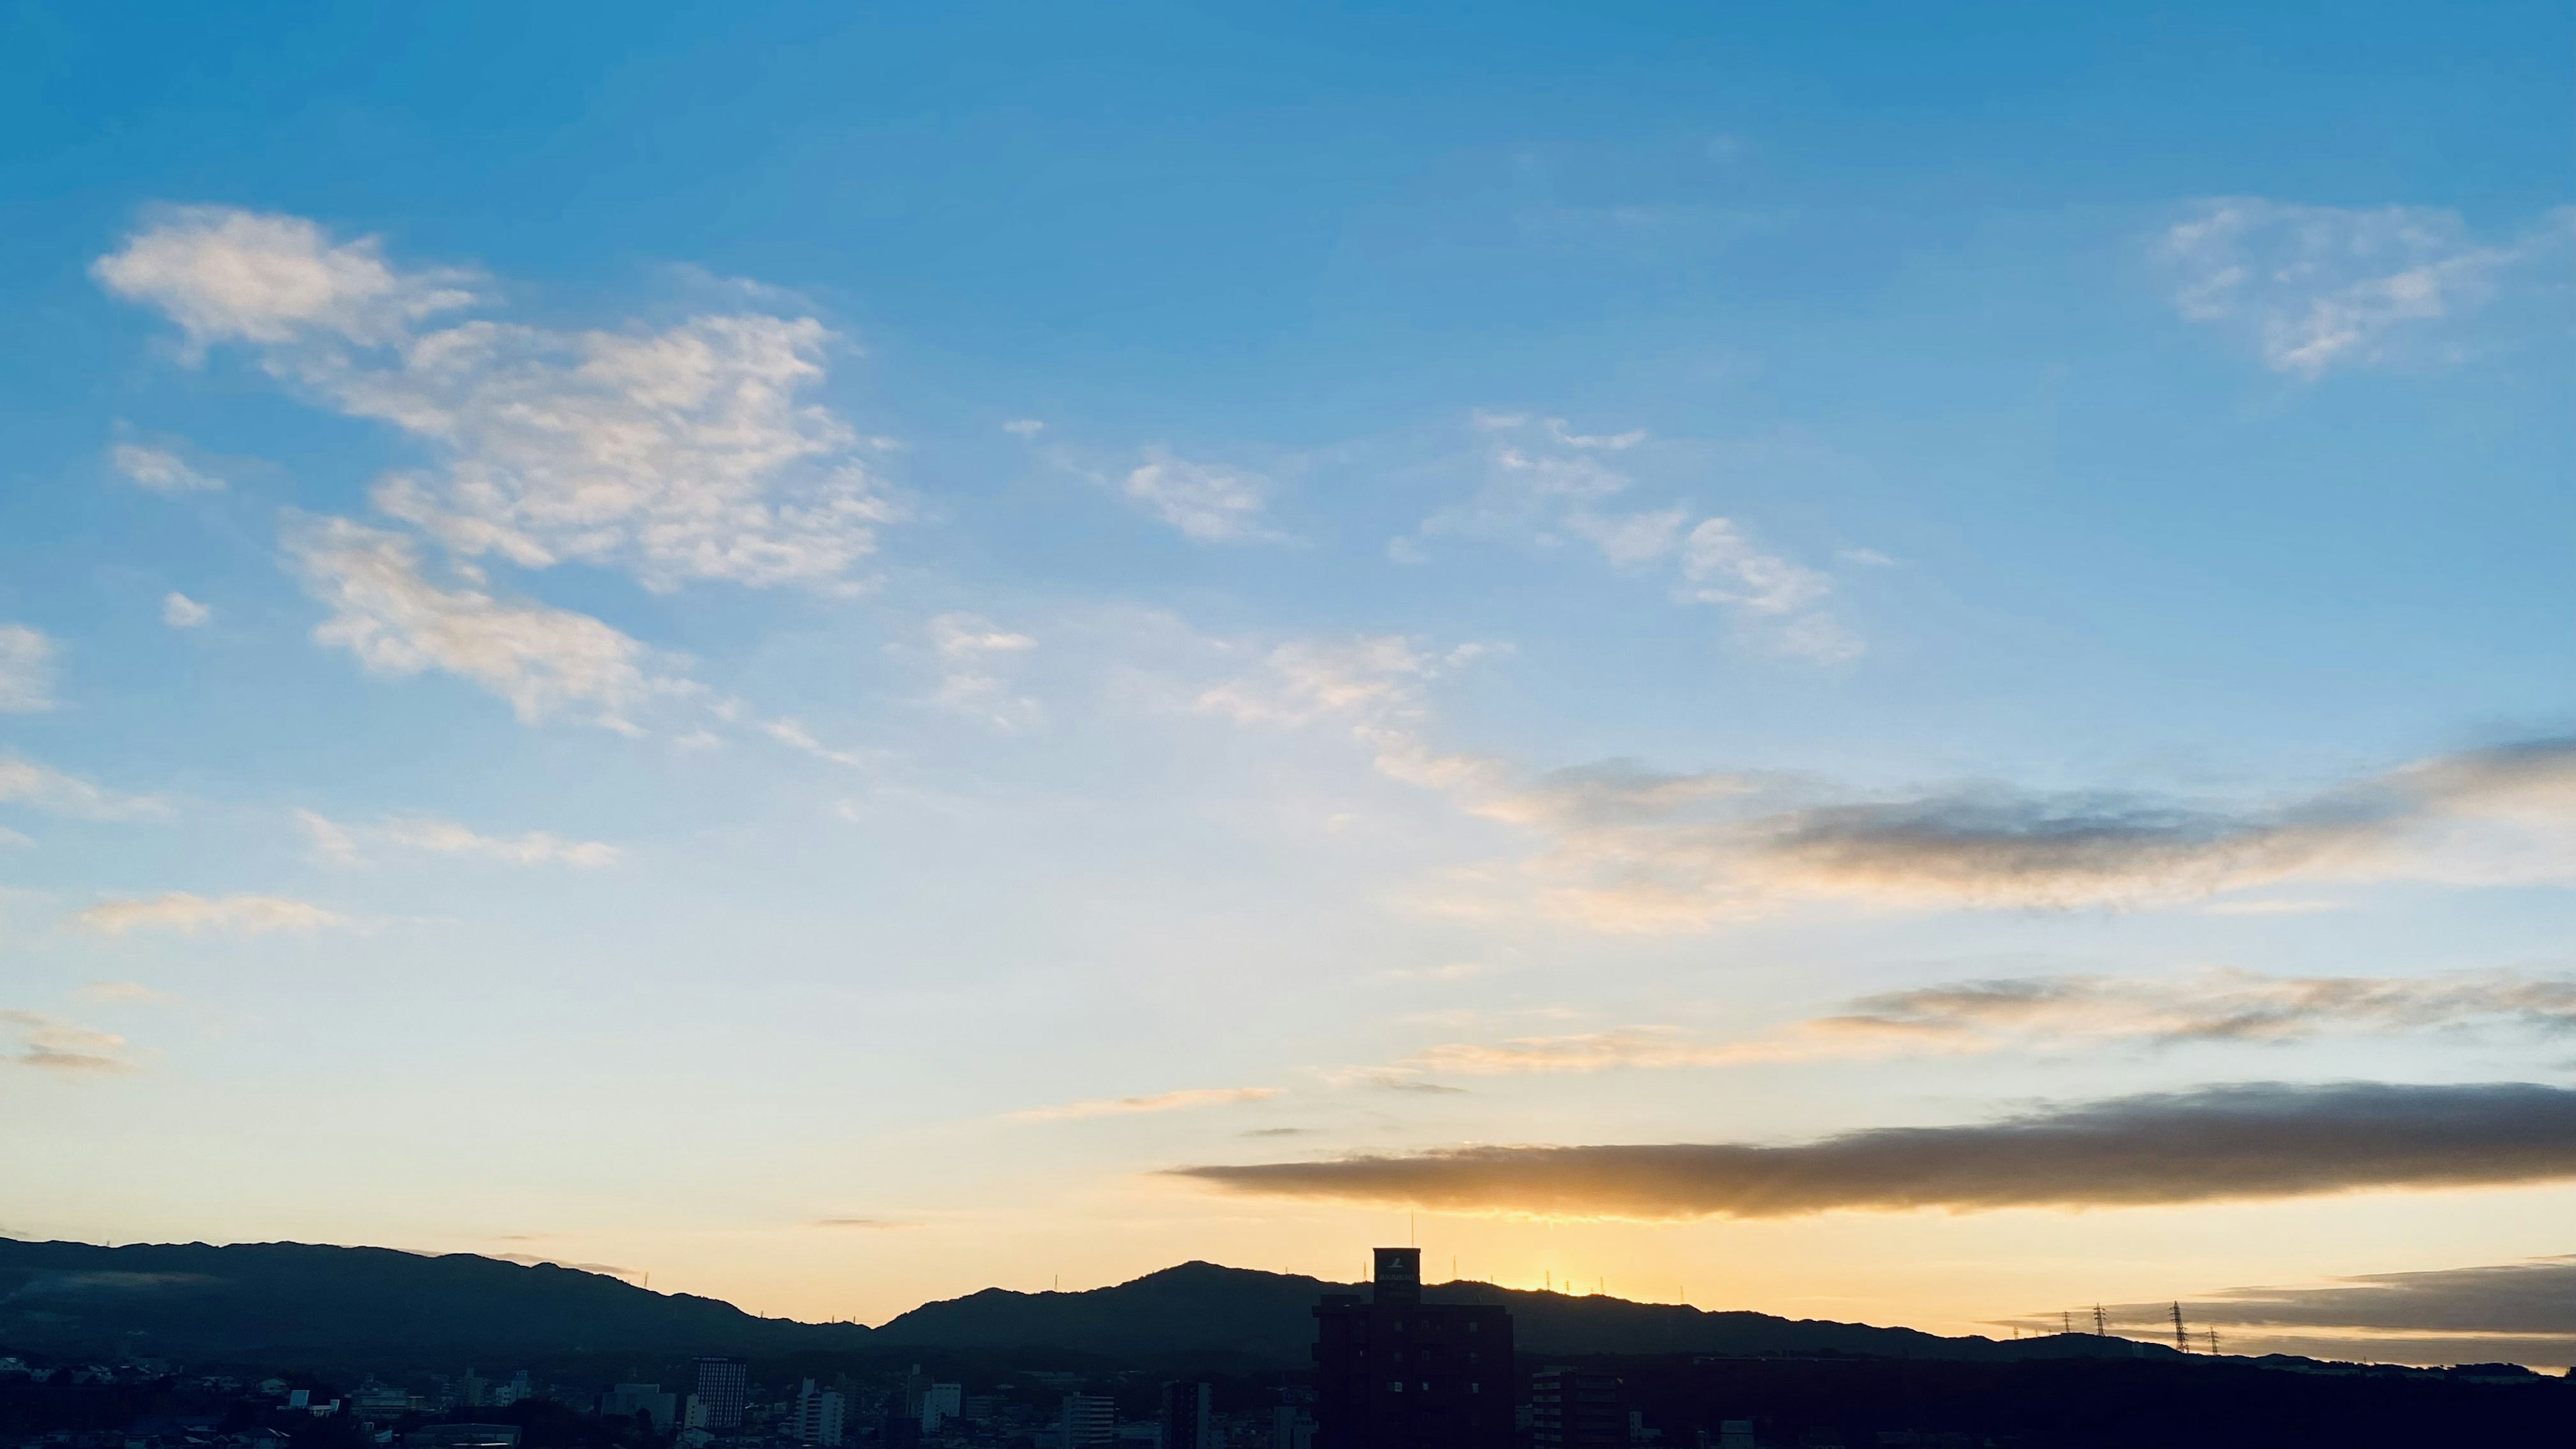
(1201, 1307)
(302, 1302)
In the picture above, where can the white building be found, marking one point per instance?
(818, 1416)
(939, 1404)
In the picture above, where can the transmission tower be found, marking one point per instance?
(2101, 1325)
(2182, 1340)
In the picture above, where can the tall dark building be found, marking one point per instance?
(1394, 1372)
(724, 1388)
(1574, 1409)
(1186, 1417)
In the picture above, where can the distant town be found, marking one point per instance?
(1389, 1366)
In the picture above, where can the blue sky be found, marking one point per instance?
(804, 649)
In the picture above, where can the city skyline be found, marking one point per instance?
(1900, 668)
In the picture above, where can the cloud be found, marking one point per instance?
(2314, 288)
(971, 649)
(159, 470)
(190, 914)
(24, 782)
(1161, 1102)
(1544, 483)
(54, 1045)
(2051, 1013)
(1634, 850)
(346, 844)
(181, 612)
(680, 454)
(542, 660)
(1205, 501)
(539, 1260)
(2212, 1144)
(128, 991)
(26, 670)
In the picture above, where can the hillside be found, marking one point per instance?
(296, 1302)
(1202, 1307)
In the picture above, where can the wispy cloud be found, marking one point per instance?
(26, 670)
(52, 1044)
(1545, 483)
(1209, 502)
(191, 914)
(869, 1224)
(396, 621)
(680, 454)
(1635, 850)
(2211, 1144)
(181, 612)
(133, 993)
(2051, 1013)
(1179, 1101)
(973, 655)
(350, 844)
(2314, 288)
(159, 470)
(24, 782)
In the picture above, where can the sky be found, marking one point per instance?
(1894, 663)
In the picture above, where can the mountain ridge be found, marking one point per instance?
(293, 1302)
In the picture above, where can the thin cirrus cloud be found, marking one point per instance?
(190, 914)
(1620, 848)
(1546, 483)
(1632, 850)
(2051, 1013)
(181, 612)
(1180, 1101)
(687, 453)
(1209, 502)
(346, 843)
(2238, 1142)
(159, 470)
(41, 787)
(51, 1044)
(26, 670)
(2316, 288)
(974, 656)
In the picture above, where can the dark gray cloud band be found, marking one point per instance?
(2233, 1142)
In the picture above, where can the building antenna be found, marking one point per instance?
(2182, 1340)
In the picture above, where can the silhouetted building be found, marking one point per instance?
(724, 1387)
(659, 1409)
(1087, 1421)
(1574, 1409)
(464, 1436)
(1394, 1372)
(1186, 1409)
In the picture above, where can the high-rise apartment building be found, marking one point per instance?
(1087, 1421)
(1394, 1372)
(723, 1391)
(1575, 1409)
(939, 1404)
(819, 1415)
(1186, 1416)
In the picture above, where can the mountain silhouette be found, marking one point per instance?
(288, 1303)
(1203, 1307)
(304, 1302)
